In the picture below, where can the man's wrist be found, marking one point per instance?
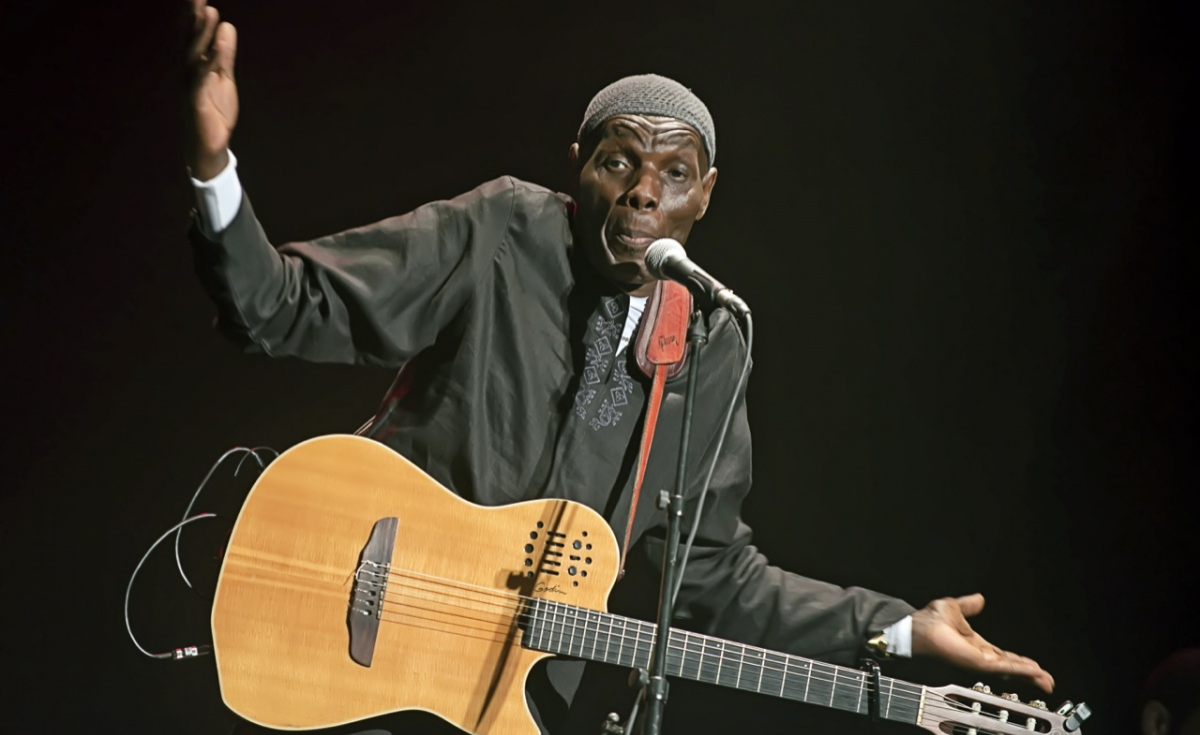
(210, 166)
(219, 198)
(894, 640)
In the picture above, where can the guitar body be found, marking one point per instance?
(448, 638)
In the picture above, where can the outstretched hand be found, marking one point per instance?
(214, 98)
(940, 629)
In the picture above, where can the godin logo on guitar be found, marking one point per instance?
(545, 588)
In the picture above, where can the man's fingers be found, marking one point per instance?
(225, 48)
(970, 605)
(1007, 662)
(206, 29)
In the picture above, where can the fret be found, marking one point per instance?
(754, 661)
(596, 635)
(621, 643)
(847, 689)
(904, 701)
(799, 671)
(820, 684)
(607, 635)
(720, 660)
(683, 649)
(647, 651)
(555, 627)
(731, 664)
(684, 654)
(777, 665)
(859, 703)
(621, 649)
(709, 658)
(566, 628)
(575, 631)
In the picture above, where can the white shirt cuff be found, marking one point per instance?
(899, 637)
(219, 198)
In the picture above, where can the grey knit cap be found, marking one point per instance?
(651, 94)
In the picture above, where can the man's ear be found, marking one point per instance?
(573, 155)
(1156, 720)
(710, 181)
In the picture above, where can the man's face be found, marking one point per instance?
(647, 178)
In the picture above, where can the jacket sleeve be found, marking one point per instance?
(730, 589)
(373, 295)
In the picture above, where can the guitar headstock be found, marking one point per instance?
(955, 710)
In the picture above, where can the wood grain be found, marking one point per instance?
(449, 641)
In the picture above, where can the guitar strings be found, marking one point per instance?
(559, 630)
(521, 610)
(934, 700)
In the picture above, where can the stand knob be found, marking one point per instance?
(612, 725)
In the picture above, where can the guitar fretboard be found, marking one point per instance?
(595, 636)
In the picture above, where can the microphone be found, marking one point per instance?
(667, 260)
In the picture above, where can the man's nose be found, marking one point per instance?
(644, 193)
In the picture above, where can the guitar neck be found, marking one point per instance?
(595, 636)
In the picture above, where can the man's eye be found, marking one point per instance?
(615, 164)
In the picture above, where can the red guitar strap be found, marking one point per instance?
(660, 349)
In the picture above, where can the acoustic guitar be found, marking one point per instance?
(354, 585)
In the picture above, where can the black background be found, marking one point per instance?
(964, 229)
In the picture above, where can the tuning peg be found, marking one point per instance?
(1037, 704)
(982, 688)
(1010, 697)
(1077, 715)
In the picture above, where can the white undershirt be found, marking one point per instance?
(637, 306)
(219, 200)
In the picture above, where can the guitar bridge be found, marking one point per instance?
(370, 585)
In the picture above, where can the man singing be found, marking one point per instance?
(514, 313)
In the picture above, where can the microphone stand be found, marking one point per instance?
(655, 688)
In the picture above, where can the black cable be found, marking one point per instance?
(687, 549)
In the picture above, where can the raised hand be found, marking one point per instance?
(940, 629)
(214, 99)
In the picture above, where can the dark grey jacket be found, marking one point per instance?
(485, 294)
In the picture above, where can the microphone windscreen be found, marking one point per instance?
(659, 252)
